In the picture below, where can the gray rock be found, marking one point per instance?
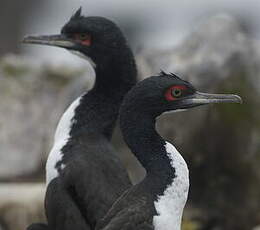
(32, 100)
(20, 205)
(221, 143)
(208, 55)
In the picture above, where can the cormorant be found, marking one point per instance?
(84, 175)
(157, 202)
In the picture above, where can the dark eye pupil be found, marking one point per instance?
(83, 36)
(176, 92)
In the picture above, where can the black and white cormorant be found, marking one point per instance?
(157, 202)
(84, 176)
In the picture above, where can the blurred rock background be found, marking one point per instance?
(215, 46)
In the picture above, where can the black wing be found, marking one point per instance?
(129, 212)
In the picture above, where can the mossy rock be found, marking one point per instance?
(226, 180)
(190, 225)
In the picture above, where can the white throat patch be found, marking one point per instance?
(62, 135)
(81, 55)
(170, 205)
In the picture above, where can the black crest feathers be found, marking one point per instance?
(77, 14)
(162, 73)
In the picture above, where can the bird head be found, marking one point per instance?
(169, 93)
(92, 38)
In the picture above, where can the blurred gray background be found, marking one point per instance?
(215, 45)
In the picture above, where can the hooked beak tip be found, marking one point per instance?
(238, 99)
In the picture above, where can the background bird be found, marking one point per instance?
(84, 176)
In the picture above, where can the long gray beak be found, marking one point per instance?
(51, 40)
(206, 98)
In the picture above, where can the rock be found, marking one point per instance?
(32, 100)
(221, 143)
(207, 55)
(20, 205)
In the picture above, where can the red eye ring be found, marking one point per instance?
(169, 95)
(83, 38)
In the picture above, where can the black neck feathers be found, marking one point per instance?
(98, 109)
(148, 146)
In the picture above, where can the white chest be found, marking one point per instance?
(62, 136)
(171, 204)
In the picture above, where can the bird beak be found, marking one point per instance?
(51, 40)
(199, 98)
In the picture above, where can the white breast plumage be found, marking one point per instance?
(62, 135)
(170, 205)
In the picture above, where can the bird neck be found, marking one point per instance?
(148, 146)
(167, 178)
(116, 74)
(98, 109)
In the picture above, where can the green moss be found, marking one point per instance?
(11, 70)
(245, 114)
(190, 225)
(228, 147)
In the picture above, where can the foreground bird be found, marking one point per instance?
(84, 176)
(157, 202)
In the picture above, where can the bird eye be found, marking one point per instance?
(83, 37)
(176, 92)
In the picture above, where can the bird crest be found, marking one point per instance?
(162, 73)
(77, 14)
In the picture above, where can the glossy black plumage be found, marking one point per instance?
(94, 176)
(135, 209)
